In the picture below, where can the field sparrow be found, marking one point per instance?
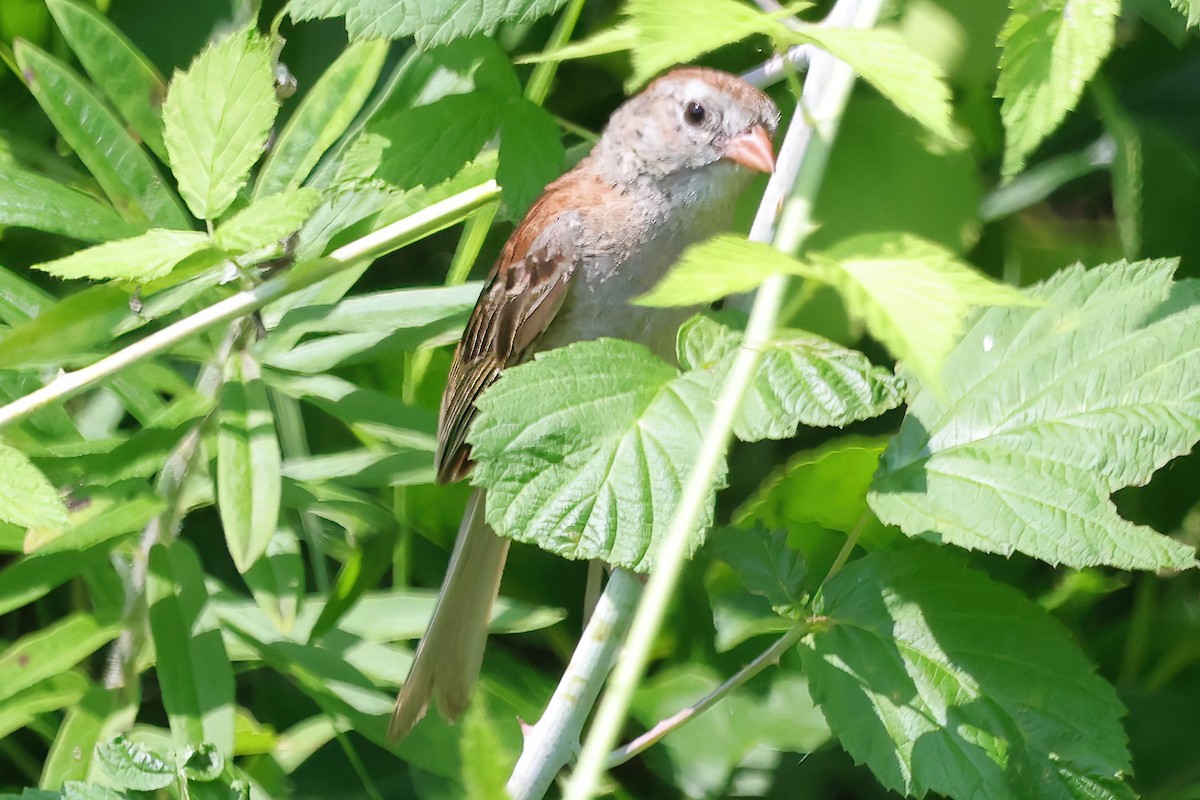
(665, 174)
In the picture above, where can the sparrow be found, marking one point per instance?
(664, 174)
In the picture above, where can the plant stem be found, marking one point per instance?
(808, 145)
(550, 744)
(375, 244)
(764, 659)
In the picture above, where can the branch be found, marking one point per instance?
(388, 238)
(554, 740)
(806, 147)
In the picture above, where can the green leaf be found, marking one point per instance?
(913, 295)
(142, 258)
(21, 300)
(58, 691)
(1048, 411)
(27, 499)
(610, 40)
(127, 175)
(132, 766)
(763, 562)
(51, 650)
(430, 143)
(675, 33)
(266, 221)
(216, 120)
(432, 22)
(70, 756)
(486, 761)
(204, 763)
(361, 467)
(191, 663)
(68, 331)
(322, 117)
(365, 568)
(277, 579)
(35, 576)
(1191, 8)
(801, 380)
(77, 790)
(943, 681)
(585, 450)
(117, 67)
(248, 463)
(912, 82)
(1052, 48)
(531, 155)
(720, 266)
(28, 200)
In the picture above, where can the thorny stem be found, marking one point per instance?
(823, 100)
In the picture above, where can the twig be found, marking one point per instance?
(824, 98)
(765, 659)
(386, 239)
(554, 740)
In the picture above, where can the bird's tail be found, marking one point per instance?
(448, 659)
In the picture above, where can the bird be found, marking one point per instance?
(664, 174)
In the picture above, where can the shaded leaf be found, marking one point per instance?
(763, 562)
(28, 200)
(531, 156)
(57, 691)
(430, 143)
(941, 680)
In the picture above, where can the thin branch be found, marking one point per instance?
(824, 98)
(388, 238)
(766, 658)
(554, 740)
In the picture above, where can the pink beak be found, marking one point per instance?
(752, 150)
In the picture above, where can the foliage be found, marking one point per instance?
(964, 484)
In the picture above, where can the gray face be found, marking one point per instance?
(682, 122)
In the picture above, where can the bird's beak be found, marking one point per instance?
(752, 150)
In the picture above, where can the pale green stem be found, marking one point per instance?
(554, 740)
(825, 94)
(391, 237)
(766, 658)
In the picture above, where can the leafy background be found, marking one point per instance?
(279, 622)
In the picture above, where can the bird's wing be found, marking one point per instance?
(524, 292)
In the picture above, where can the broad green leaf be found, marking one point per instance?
(1045, 412)
(77, 790)
(142, 258)
(70, 757)
(248, 463)
(585, 450)
(117, 67)
(430, 143)
(204, 763)
(675, 33)
(216, 120)
(1191, 8)
(432, 22)
(738, 615)
(941, 680)
(57, 691)
(192, 666)
(486, 761)
(266, 221)
(322, 117)
(127, 175)
(132, 766)
(763, 562)
(913, 295)
(1051, 49)
(911, 81)
(801, 380)
(28, 200)
(718, 267)
(27, 499)
(531, 155)
(51, 650)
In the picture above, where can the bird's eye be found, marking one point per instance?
(694, 113)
